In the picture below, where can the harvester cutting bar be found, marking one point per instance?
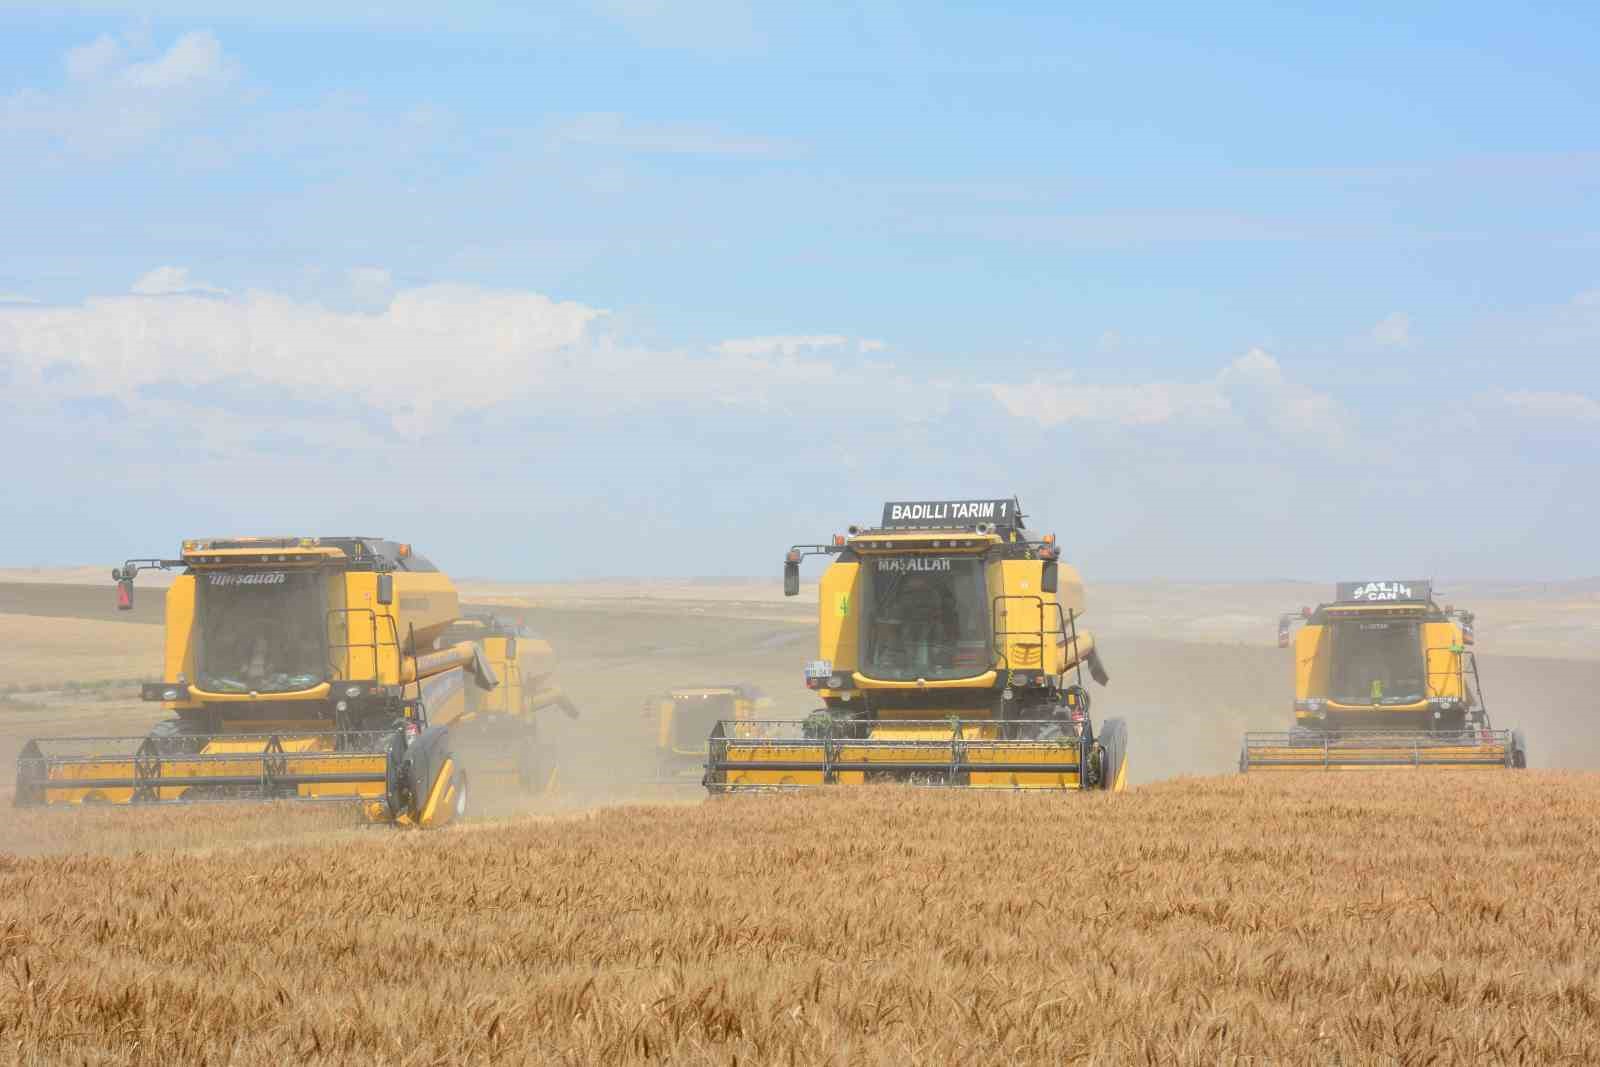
(1378, 749)
(979, 754)
(148, 770)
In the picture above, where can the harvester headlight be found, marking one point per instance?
(341, 706)
(353, 691)
(169, 694)
(835, 681)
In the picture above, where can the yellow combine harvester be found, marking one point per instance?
(950, 654)
(498, 734)
(681, 719)
(1384, 678)
(333, 668)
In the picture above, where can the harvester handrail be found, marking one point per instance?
(373, 646)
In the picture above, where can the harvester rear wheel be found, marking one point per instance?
(1519, 750)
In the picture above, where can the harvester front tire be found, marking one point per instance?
(1113, 741)
(1519, 751)
(172, 738)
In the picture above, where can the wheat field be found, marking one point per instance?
(1358, 918)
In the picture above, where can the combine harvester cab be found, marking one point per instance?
(296, 668)
(1384, 679)
(951, 653)
(681, 719)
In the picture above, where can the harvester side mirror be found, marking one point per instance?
(791, 578)
(1050, 577)
(386, 589)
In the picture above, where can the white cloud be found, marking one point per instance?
(1255, 368)
(784, 345)
(16, 298)
(422, 358)
(1393, 330)
(115, 100)
(88, 61)
(1252, 388)
(432, 352)
(1551, 406)
(1588, 298)
(194, 59)
(611, 130)
(167, 281)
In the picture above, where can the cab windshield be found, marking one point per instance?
(1377, 662)
(927, 617)
(261, 631)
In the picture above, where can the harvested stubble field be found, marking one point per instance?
(1397, 918)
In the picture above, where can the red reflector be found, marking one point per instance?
(124, 596)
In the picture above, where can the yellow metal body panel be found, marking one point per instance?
(180, 634)
(440, 806)
(1312, 662)
(838, 616)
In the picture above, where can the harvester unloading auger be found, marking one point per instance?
(1384, 678)
(333, 668)
(950, 653)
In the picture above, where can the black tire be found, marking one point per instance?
(1113, 742)
(1519, 751)
(174, 737)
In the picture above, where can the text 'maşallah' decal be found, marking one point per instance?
(252, 578)
(913, 563)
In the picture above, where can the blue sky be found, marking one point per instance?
(1222, 293)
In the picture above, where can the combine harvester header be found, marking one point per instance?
(950, 652)
(1384, 678)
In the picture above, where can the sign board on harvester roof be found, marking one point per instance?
(1387, 591)
(950, 514)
